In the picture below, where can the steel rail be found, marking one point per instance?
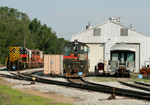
(142, 84)
(117, 89)
(135, 86)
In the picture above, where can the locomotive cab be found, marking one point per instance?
(23, 54)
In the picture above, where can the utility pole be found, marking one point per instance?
(24, 41)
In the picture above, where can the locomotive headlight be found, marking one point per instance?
(81, 65)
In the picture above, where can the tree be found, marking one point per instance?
(15, 26)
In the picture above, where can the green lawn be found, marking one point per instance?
(113, 79)
(9, 96)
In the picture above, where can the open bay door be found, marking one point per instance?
(96, 54)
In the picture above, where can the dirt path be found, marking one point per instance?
(55, 97)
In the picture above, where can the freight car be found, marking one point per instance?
(122, 60)
(75, 59)
(21, 58)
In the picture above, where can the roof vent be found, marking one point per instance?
(115, 19)
(88, 26)
(131, 26)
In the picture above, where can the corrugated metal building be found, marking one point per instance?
(101, 38)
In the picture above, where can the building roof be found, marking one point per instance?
(113, 23)
(129, 28)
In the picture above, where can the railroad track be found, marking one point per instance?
(142, 84)
(76, 80)
(119, 91)
(137, 86)
(86, 85)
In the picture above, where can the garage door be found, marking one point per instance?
(95, 55)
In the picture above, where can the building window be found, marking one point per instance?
(124, 32)
(96, 32)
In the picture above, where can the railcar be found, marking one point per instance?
(122, 60)
(75, 59)
(21, 58)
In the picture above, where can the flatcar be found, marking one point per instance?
(75, 59)
(21, 58)
(122, 60)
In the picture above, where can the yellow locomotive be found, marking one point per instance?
(17, 58)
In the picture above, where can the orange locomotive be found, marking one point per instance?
(21, 58)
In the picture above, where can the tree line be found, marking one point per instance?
(16, 29)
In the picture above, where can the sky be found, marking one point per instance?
(67, 17)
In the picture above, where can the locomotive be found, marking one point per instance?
(75, 59)
(21, 58)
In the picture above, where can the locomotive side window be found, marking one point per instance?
(67, 51)
(37, 52)
(85, 49)
(23, 50)
(81, 50)
(33, 53)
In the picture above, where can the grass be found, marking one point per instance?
(115, 79)
(9, 96)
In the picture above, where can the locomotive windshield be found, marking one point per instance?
(23, 50)
(75, 49)
(37, 53)
(83, 50)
